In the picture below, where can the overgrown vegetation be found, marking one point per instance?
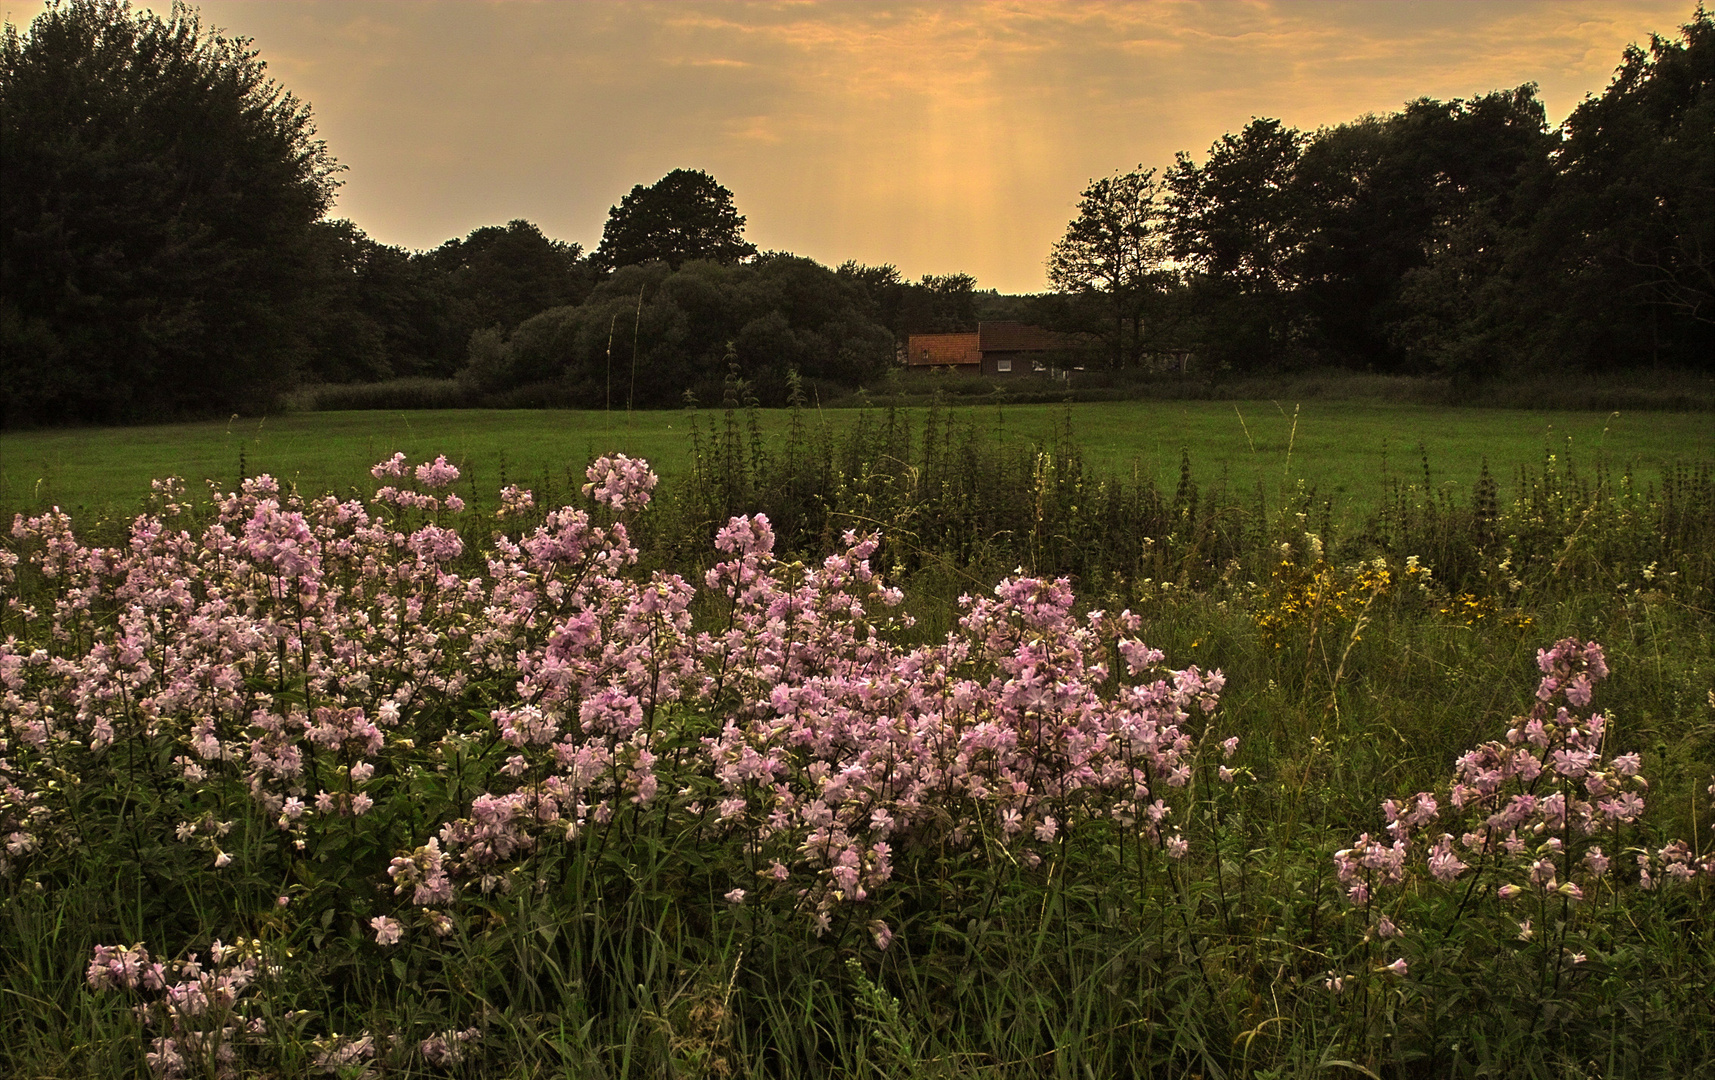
(458, 805)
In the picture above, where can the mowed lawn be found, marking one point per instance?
(1341, 449)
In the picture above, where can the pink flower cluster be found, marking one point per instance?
(620, 483)
(324, 656)
(838, 747)
(1526, 809)
(431, 476)
(194, 1007)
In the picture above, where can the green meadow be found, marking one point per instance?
(1374, 627)
(1343, 450)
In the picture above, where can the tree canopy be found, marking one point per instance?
(1465, 237)
(156, 239)
(1116, 247)
(683, 217)
(648, 334)
(165, 250)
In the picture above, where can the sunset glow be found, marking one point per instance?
(940, 138)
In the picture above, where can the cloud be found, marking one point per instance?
(939, 137)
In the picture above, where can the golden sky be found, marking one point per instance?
(941, 137)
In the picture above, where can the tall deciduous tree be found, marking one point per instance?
(502, 276)
(683, 217)
(1630, 233)
(1234, 220)
(1384, 196)
(1116, 247)
(156, 239)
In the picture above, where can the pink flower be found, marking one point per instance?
(881, 933)
(735, 896)
(1398, 967)
(620, 481)
(437, 474)
(387, 931)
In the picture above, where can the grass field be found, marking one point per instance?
(1343, 449)
(184, 761)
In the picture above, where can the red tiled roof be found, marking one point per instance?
(931, 350)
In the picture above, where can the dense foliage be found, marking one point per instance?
(1464, 238)
(686, 216)
(157, 238)
(647, 335)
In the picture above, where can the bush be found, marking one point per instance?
(413, 393)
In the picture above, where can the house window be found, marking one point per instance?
(1003, 365)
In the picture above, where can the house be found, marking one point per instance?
(997, 348)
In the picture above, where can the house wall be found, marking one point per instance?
(1019, 346)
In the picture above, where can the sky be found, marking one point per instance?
(939, 137)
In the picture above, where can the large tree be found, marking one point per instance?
(496, 278)
(380, 312)
(683, 217)
(503, 276)
(156, 243)
(1235, 222)
(1626, 248)
(1383, 196)
(1116, 247)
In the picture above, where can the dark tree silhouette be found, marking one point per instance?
(1116, 247)
(156, 243)
(683, 217)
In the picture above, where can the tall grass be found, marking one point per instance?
(1359, 663)
(955, 497)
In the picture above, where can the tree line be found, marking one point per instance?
(1467, 237)
(165, 249)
